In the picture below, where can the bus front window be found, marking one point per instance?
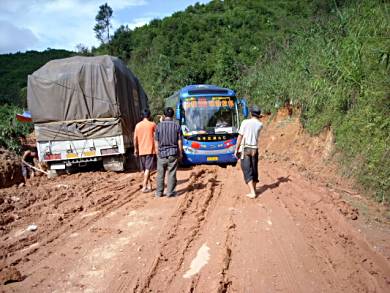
(211, 120)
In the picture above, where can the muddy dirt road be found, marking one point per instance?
(96, 232)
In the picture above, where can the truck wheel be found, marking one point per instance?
(116, 163)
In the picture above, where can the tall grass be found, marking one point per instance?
(338, 72)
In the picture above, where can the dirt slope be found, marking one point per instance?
(10, 169)
(96, 232)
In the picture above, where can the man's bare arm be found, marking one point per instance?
(156, 146)
(25, 155)
(239, 140)
(180, 144)
(135, 143)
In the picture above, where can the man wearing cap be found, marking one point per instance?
(247, 147)
(144, 147)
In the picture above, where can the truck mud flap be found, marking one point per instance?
(114, 163)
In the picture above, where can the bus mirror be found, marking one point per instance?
(178, 111)
(245, 111)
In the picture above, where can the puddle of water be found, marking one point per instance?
(134, 223)
(97, 273)
(126, 177)
(132, 213)
(90, 214)
(112, 214)
(18, 233)
(201, 259)
(32, 246)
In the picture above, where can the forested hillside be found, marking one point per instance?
(213, 43)
(14, 69)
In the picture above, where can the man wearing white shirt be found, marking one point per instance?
(247, 146)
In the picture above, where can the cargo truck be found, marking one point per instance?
(84, 109)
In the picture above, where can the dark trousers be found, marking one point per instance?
(249, 166)
(166, 165)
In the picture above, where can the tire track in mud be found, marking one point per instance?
(341, 253)
(232, 198)
(104, 200)
(182, 228)
(225, 281)
(222, 254)
(219, 234)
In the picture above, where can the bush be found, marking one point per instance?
(11, 129)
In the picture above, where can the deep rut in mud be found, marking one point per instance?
(73, 210)
(183, 227)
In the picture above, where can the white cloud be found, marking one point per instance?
(56, 23)
(14, 39)
(137, 22)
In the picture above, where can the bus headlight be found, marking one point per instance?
(232, 148)
(189, 150)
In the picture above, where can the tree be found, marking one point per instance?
(103, 25)
(82, 49)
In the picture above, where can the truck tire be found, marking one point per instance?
(115, 163)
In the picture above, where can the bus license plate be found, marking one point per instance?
(212, 158)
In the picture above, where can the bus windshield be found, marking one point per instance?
(210, 115)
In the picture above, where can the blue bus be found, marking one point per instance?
(209, 119)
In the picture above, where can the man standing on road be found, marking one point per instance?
(247, 146)
(144, 147)
(169, 148)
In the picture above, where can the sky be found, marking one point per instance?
(62, 24)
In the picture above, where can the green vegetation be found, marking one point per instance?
(10, 129)
(212, 43)
(14, 69)
(103, 25)
(338, 72)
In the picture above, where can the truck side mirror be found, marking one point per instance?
(178, 116)
(245, 111)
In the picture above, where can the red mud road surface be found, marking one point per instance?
(96, 232)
